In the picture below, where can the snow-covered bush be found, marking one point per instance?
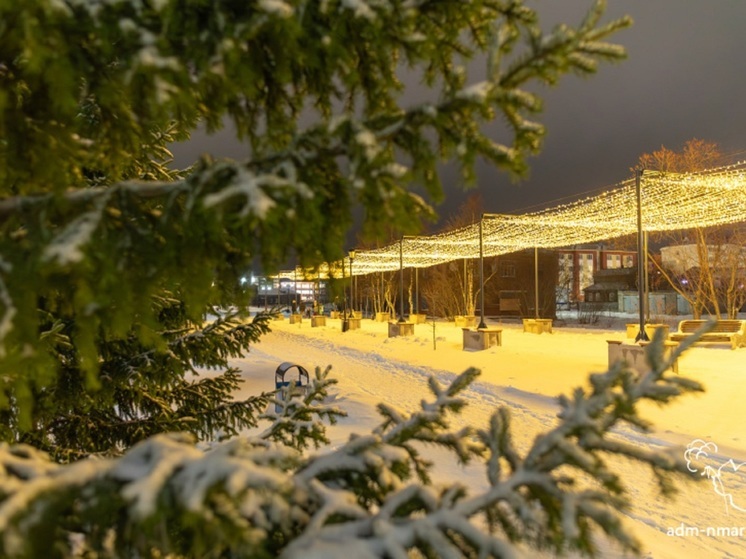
(371, 497)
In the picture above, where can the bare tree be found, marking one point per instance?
(450, 288)
(438, 290)
(706, 273)
(379, 289)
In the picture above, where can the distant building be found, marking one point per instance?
(608, 284)
(724, 273)
(271, 291)
(511, 290)
(578, 265)
(682, 258)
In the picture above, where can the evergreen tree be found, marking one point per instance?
(113, 269)
(110, 263)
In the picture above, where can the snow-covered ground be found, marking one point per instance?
(526, 374)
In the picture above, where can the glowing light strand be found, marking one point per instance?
(669, 202)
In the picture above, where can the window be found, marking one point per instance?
(508, 270)
(613, 261)
(587, 262)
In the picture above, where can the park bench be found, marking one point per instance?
(727, 330)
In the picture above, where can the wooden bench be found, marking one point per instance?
(729, 331)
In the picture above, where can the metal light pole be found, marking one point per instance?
(536, 282)
(352, 283)
(647, 279)
(296, 299)
(345, 319)
(401, 280)
(416, 291)
(465, 289)
(481, 278)
(315, 295)
(641, 260)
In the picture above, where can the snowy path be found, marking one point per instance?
(372, 368)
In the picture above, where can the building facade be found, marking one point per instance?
(511, 290)
(273, 291)
(578, 264)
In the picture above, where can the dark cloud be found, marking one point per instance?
(684, 78)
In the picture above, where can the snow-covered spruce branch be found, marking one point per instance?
(76, 197)
(390, 446)
(295, 412)
(361, 498)
(6, 302)
(501, 89)
(564, 49)
(274, 179)
(341, 137)
(146, 390)
(553, 497)
(238, 491)
(209, 345)
(225, 337)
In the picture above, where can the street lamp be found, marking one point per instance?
(641, 258)
(352, 284)
(401, 281)
(482, 323)
(345, 318)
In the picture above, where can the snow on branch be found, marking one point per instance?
(361, 497)
(9, 309)
(67, 247)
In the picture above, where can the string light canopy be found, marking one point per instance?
(669, 201)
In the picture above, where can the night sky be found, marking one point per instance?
(684, 78)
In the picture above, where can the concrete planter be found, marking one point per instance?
(466, 321)
(481, 338)
(537, 325)
(401, 329)
(318, 320)
(418, 318)
(634, 329)
(296, 318)
(634, 354)
(350, 323)
(382, 317)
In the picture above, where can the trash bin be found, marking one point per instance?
(282, 370)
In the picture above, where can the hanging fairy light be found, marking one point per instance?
(670, 201)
